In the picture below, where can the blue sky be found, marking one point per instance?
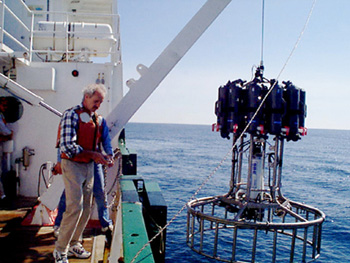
(231, 47)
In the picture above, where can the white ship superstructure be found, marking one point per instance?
(50, 51)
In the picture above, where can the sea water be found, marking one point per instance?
(316, 171)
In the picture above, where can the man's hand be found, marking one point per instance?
(99, 158)
(110, 160)
(57, 169)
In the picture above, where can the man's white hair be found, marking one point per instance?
(92, 88)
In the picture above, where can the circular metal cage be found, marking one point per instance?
(226, 230)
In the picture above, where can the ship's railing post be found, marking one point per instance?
(67, 37)
(2, 22)
(116, 31)
(31, 38)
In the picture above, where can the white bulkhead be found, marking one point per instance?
(55, 45)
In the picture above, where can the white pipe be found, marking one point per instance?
(26, 94)
(17, 177)
(19, 90)
(8, 150)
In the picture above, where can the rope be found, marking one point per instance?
(284, 66)
(299, 38)
(237, 140)
(118, 159)
(262, 31)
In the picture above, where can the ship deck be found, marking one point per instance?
(25, 244)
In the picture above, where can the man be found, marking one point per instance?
(79, 136)
(98, 189)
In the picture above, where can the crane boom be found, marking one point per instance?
(151, 77)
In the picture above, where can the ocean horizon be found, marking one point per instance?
(316, 171)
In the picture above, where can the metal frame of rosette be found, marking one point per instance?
(254, 221)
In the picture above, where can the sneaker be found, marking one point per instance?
(78, 251)
(56, 231)
(107, 231)
(60, 257)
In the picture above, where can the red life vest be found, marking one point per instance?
(88, 134)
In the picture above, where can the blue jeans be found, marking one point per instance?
(100, 199)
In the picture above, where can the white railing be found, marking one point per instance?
(14, 25)
(67, 37)
(58, 36)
